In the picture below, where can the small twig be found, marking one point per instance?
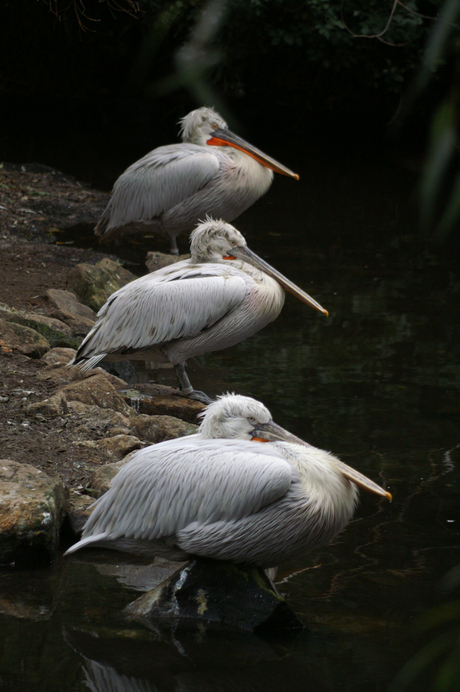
(382, 33)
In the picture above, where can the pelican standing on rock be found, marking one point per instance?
(220, 296)
(170, 189)
(242, 489)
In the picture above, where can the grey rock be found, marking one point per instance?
(66, 308)
(159, 400)
(94, 284)
(32, 508)
(67, 302)
(93, 418)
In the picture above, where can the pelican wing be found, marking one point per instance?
(161, 307)
(169, 487)
(163, 178)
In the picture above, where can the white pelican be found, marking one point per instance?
(170, 189)
(222, 494)
(220, 296)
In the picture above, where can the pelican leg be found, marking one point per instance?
(186, 388)
(174, 248)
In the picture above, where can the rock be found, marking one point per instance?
(78, 511)
(119, 446)
(58, 356)
(32, 508)
(67, 302)
(78, 324)
(63, 374)
(158, 428)
(156, 399)
(219, 592)
(102, 478)
(94, 284)
(80, 318)
(158, 260)
(96, 390)
(57, 333)
(98, 419)
(54, 406)
(23, 339)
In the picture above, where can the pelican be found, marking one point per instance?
(170, 189)
(220, 296)
(242, 489)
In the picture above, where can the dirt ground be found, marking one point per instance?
(35, 202)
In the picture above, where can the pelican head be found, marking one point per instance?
(213, 241)
(217, 241)
(205, 127)
(233, 416)
(199, 126)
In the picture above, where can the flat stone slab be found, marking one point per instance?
(160, 400)
(218, 592)
(32, 508)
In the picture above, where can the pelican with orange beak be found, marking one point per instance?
(213, 172)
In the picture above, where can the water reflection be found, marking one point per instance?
(220, 662)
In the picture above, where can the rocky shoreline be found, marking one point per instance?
(63, 434)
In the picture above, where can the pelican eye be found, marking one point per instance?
(214, 126)
(251, 419)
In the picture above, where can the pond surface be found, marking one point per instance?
(376, 383)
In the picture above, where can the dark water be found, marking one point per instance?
(378, 384)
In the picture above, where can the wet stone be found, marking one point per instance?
(217, 592)
(32, 508)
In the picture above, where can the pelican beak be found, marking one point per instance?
(271, 432)
(222, 138)
(244, 253)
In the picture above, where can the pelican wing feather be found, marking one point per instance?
(168, 488)
(158, 182)
(156, 309)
